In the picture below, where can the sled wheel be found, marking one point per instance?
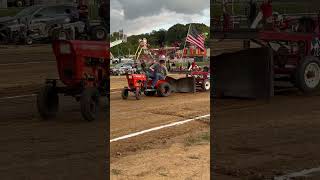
(149, 93)
(48, 102)
(125, 93)
(308, 75)
(205, 85)
(89, 103)
(138, 94)
(164, 89)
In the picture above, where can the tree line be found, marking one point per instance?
(174, 36)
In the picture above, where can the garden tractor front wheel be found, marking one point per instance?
(89, 104)
(125, 93)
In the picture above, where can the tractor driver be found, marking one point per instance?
(159, 71)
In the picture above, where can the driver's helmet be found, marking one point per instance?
(162, 57)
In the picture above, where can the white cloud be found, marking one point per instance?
(142, 16)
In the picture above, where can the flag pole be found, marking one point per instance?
(185, 42)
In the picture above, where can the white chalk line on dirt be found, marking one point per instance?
(24, 63)
(304, 173)
(16, 97)
(158, 128)
(31, 95)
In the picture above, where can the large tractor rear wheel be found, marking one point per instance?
(308, 75)
(48, 102)
(89, 103)
(164, 89)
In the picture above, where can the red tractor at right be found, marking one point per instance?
(293, 56)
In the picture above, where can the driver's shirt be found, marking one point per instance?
(160, 69)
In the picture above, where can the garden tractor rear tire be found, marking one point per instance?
(89, 104)
(164, 90)
(308, 75)
(48, 102)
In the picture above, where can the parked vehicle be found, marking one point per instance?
(122, 68)
(122, 60)
(48, 23)
(18, 3)
(83, 70)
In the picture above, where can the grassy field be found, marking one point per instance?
(9, 12)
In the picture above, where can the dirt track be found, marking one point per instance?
(129, 156)
(65, 148)
(252, 138)
(266, 139)
(68, 147)
(262, 140)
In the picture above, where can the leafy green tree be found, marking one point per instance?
(175, 34)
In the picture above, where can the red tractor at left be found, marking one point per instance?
(138, 84)
(83, 68)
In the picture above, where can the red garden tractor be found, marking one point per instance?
(202, 79)
(83, 68)
(138, 84)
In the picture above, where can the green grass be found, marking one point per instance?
(200, 139)
(9, 11)
(116, 171)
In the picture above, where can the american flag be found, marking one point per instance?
(195, 38)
